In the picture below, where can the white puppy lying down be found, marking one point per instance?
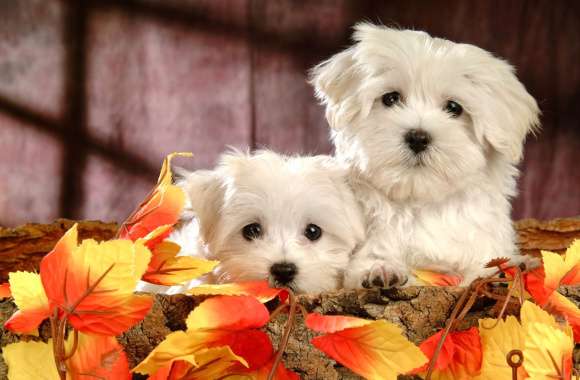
(291, 220)
(432, 130)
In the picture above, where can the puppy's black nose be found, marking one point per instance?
(418, 140)
(283, 272)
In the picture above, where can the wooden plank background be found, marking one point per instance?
(94, 93)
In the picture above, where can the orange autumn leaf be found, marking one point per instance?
(93, 283)
(228, 312)
(429, 278)
(534, 285)
(163, 205)
(97, 357)
(175, 370)
(166, 268)
(542, 283)
(556, 270)
(258, 289)
(5, 290)
(561, 306)
(374, 350)
(31, 300)
(219, 321)
(460, 356)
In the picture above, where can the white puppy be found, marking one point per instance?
(292, 220)
(432, 130)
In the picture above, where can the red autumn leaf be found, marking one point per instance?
(239, 315)
(534, 284)
(282, 373)
(93, 283)
(97, 357)
(219, 321)
(5, 290)
(162, 207)
(460, 356)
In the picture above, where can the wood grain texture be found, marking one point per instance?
(195, 75)
(22, 248)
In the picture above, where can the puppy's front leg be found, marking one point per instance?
(367, 269)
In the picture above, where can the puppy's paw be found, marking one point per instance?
(382, 275)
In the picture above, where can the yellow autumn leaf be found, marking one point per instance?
(32, 302)
(179, 345)
(166, 268)
(532, 313)
(377, 350)
(562, 269)
(165, 176)
(213, 363)
(30, 360)
(548, 352)
(496, 342)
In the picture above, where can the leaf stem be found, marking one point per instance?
(286, 335)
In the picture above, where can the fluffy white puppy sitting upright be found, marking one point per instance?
(433, 131)
(292, 220)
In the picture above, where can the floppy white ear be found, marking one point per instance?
(204, 195)
(335, 82)
(509, 112)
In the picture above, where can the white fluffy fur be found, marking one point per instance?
(283, 194)
(449, 209)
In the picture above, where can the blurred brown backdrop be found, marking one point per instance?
(93, 94)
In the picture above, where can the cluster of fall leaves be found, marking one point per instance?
(86, 291)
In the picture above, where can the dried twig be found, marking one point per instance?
(476, 289)
(287, 330)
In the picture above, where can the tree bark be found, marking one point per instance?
(419, 311)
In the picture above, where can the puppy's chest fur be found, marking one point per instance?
(458, 234)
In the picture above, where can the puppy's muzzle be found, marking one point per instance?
(283, 273)
(417, 140)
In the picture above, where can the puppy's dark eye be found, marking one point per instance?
(252, 231)
(313, 232)
(453, 108)
(391, 98)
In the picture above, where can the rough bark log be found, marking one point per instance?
(420, 311)
(23, 247)
(552, 235)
